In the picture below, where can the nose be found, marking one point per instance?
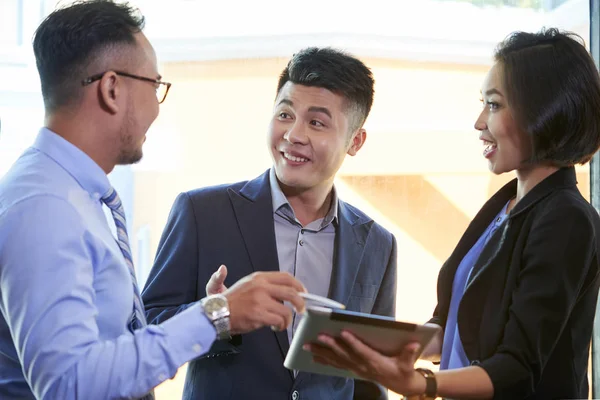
(296, 134)
(480, 123)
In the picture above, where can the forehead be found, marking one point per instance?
(309, 96)
(493, 79)
(145, 49)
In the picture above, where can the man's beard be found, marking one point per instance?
(129, 153)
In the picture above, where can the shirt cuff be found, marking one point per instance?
(190, 334)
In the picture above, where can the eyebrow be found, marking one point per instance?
(314, 109)
(493, 91)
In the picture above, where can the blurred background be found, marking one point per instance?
(421, 173)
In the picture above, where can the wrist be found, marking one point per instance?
(216, 309)
(427, 384)
(418, 385)
(412, 388)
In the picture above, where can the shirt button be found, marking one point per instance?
(302, 231)
(295, 395)
(162, 377)
(197, 348)
(301, 242)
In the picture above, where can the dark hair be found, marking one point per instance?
(71, 37)
(336, 71)
(553, 88)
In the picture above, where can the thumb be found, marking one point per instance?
(410, 351)
(413, 347)
(221, 274)
(215, 284)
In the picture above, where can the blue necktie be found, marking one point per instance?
(138, 318)
(112, 200)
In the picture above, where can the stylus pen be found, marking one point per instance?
(323, 301)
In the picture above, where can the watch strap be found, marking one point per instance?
(430, 383)
(223, 327)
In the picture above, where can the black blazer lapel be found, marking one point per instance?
(253, 208)
(564, 177)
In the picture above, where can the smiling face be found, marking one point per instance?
(309, 137)
(506, 146)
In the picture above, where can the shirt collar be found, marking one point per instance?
(279, 200)
(79, 165)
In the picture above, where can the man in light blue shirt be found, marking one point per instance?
(72, 325)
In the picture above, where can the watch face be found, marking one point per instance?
(215, 304)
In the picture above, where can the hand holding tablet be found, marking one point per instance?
(383, 334)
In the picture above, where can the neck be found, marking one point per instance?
(81, 133)
(309, 205)
(528, 178)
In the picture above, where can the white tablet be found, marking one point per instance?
(384, 334)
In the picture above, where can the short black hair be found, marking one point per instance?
(70, 38)
(553, 89)
(336, 71)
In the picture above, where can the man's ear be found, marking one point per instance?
(109, 90)
(357, 141)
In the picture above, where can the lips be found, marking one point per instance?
(294, 157)
(489, 147)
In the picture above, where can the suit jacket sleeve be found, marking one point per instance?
(556, 261)
(385, 304)
(172, 284)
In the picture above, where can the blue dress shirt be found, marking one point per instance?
(66, 293)
(453, 353)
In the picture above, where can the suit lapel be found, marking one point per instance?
(562, 178)
(253, 209)
(350, 240)
(349, 249)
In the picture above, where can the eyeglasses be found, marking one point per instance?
(162, 88)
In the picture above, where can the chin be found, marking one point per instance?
(292, 181)
(130, 158)
(499, 169)
(289, 181)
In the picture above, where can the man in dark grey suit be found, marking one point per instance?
(289, 219)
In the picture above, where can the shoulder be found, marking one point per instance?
(214, 192)
(567, 205)
(360, 217)
(33, 177)
(564, 218)
(206, 201)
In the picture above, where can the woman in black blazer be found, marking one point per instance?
(517, 297)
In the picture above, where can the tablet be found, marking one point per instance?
(384, 334)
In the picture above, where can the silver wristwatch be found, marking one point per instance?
(216, 309)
